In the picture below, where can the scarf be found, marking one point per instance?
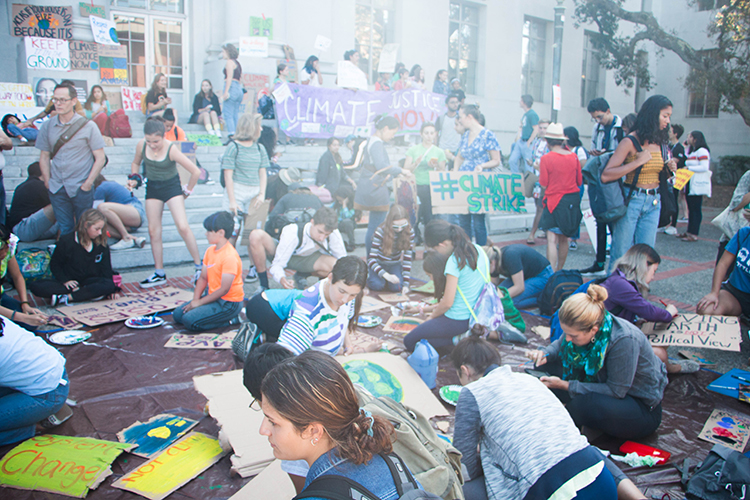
(582, 363)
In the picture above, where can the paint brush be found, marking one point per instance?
(723, 387)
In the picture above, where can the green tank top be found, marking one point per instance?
(159, 170)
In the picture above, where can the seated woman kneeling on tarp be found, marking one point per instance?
(730, 298)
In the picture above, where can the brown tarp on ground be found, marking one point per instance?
(122, 375)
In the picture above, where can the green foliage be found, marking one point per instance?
(731, 169)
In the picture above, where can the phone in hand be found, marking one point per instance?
(537, 373)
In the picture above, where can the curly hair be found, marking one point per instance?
(647, 124)
(391, 244)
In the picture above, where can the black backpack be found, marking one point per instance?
(559, 287)
(336, 487)
(723, 475)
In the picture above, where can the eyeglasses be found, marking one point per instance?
(400, 227)
(255, 404)
(60, 100)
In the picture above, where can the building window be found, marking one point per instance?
(592, 72)
(463, 44)
(168, 51)
(131, 31)
(374, 28)
(533, 57)
(711, 4)
(173, 6)
(703, 101)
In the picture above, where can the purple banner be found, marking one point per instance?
(320, 113)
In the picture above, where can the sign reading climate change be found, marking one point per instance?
(476, 192)
(321, 113)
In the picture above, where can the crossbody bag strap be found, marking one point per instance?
(67, 136)
(486, 281)
(638, 149)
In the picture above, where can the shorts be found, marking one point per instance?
(304, 264)
(141, 212)
(163, 190)
(742, 297)
(243, 196)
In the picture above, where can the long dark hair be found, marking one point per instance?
(573, 140)
(475, 352)
(416, 72)
(309, 64)
(700, 141)
(210, 91)
(438, 231)
(387, 121)
(154, 90)
(352, 271)
(314, 388)
(336, 156)
(647, 122)
(87, 104)
(434, 263)
(390, 244)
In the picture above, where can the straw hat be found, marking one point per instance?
(290, 175)
(555, 131)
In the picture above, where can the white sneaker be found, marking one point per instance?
(671, 230)
(60, 300)
(154, 280)
(123, 245)
(140, 241)
(252, 275)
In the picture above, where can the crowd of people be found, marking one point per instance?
(602, 372)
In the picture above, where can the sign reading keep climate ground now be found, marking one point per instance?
(476, 192)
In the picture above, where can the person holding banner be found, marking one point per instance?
(310, 74)
(698, 161)
(233, 93)
(478, 151)
(421, 159)
(440, 86)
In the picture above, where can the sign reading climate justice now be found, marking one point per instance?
(476, 192)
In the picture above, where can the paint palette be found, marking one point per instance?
(401, 324)
(69, 337)
(450, 393)
(144, 322)
(369, 320)
(728, 429)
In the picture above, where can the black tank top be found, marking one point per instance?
(237, 70)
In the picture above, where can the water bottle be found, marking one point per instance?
(424, 360)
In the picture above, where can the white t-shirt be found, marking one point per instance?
(309, 77)
(28, 364)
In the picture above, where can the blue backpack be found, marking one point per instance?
(554, 324)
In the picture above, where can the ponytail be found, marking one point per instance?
(352, 271)
(438, 231)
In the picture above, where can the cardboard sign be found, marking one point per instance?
(155, 436)
(104, 30)
(113, 64)
(681, 177)
(350, 76)
(394, 297)
(131, 98)
(141, 304)
(477, 193)
(47, 53)
(84, 55)
(726, 429)
(261, 26)
(402, 324)
(44, 21)
(254, 84)
(253, 46)
(273, 482)
(291, 62)
(362, 342)
(201, 341)
(89, 9)
(16, 95)
(370, 304)
(322, 43)
(428, 287)
(204, 139)
(695, 330)
(255, 219)
(59, 464)
(63, 322)
(173, 468)
(590, 222)
(388, 57)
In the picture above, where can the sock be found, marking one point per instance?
(160, 272)
(209, 128)
(263, 278)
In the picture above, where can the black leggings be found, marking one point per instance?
(601, 241)
(425, 204)
(90, 288)
(695, 213)
(260, 312)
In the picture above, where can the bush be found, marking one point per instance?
(731, 169)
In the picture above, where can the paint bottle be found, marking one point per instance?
(424, 360)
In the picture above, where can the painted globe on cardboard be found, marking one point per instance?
(375, 379)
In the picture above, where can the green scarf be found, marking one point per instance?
(582, 363)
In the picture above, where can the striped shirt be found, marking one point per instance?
(245, 161)
(314, 324)
(376, 255)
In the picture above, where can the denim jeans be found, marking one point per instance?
(231, 107)
(28, 133)
(638, 225)
(20, 412)
(376, 219)
(532, 288)
(476, 225)
(35, 227)
(377, 284)
(3, 210)
(213, 315)
(68, 210)
(520, 153)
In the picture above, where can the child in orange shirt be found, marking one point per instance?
(222, 272)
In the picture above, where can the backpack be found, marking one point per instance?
(278, 222)
(724, 475)
(265, 107)
(236, 152)
(34, 263)
(118, 125)
(559, 287)
(335, 487)
(144, 105)
(488, 312)
(607, 199)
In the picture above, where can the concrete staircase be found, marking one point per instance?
(206, 198)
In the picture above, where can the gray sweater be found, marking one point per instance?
(630, 367)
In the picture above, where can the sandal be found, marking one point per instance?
(690, 238)
(531, 242)
(682, 236)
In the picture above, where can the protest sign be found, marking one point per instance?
(128, 306)
(47, 53)
(173, 468)
(322, 43)
(44, 89)
(727, 429)
(476, 192)
(59, 464)
(401, 324)
(681, 177)
(253, 46)
(696, 330)
(104, 30)
(113, 64)
(261, 26)
(63, 322)
(291, 63)
(333, 108)
(89, 9)
(254, 84)
(44, 21)
(131, 98)
(282, 93)
(388, 57)
(16, 95)
(201, 341)
(370, 304)
(349, 76)
(154, 436)
(84, 55)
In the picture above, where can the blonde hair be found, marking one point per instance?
(635, 263)
(248, 127)
(88, 219)
(584, 311)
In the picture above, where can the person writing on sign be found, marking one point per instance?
(206, 109)
(21, 312)
(730, 298)
(80, 264)
(222, 274)
(526, 272)
(270, 309)
(604, 369)
(392, 251)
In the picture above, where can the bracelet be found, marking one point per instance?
(187, 191)
(24, 302)
(13, 315)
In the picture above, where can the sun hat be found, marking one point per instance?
(555, 131)
(290, 175)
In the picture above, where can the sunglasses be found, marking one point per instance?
(400, 227)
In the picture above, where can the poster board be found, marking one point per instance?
(401, 324)
(261, 26)
(47, 53)
(104, 30)
(63, 322)
(727, 429)
(394, 297)
(84, 55)
(273, 482)
(16, 95)
(255, 219)
(89, 9)
(113, 64)
(44, 21)
(322, 43)
(44, 89)
(156, 435)
(370, 304)
(66, 465)
(173, 468)
(291, 63)
(350, 76)
(681, 177)
(388, 57)
(140, 304)
(131, 98)
(188, 149)
(201, 340)
(254, 83)
(696, 330)
(477, 193)
(253, 46)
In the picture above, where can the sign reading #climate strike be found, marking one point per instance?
(476, 192)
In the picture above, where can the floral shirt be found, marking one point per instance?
(478, 151)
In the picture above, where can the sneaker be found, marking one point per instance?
(140, 241)
(60, 300)
(154, 280)
(197, 275)
(684, 220)
(671, 230)
(58, 418)
(596, 269)
(252, 275)
(573, 245)
(123, 245)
